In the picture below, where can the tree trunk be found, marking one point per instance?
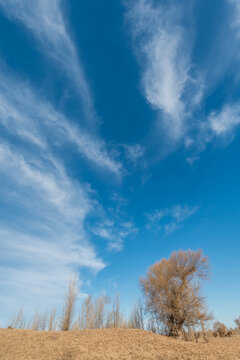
(203, 331)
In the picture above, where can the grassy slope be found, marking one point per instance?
(109, 344)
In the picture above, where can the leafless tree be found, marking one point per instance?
(86, 317)
(92, 313)
(52, 320)
(237, 322)
(69, 307)
(39, 321)
(204, 319)
(99, 312)
(172, 289)
(115, 317)
(220, 328)
(137, 316)
(18, 320)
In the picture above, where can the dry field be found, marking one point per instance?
(109, 344)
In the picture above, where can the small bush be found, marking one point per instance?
(220, 328)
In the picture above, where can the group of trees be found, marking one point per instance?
(173, 306)
(94, 313)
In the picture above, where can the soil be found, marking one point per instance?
(110, 344)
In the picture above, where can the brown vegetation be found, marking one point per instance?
(171, 288)
(68, 310)
(220, 329)
(237, 322)
(174, 307)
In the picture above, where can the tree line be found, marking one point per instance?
(172, 304)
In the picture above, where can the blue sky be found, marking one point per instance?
(119, 143)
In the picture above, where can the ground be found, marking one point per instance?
(110, 344)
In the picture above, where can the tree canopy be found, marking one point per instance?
(172, 290)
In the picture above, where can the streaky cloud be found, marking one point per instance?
(236, 20)
(44, 19)
(164, 54)
(219, 127)
(45, 242)
(170, 219)
(25, 114)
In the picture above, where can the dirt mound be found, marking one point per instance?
(109, 344)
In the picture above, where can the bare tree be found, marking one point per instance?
(115, 317)
(137, 316)
(86, 317)
(18, 320)
(237, 322)
(100, 314)
(171, 289)
(52, 320)
(116, 312)
(220, 328)
(39, 321)
(69, 307)
(93, 313)
(204, 318)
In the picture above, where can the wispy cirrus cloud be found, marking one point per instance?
(171, 82)
(116, 226)
(236, 20)
(115, 232)
(44, 19)
(219, 126)
(165, 58)
(25, 114)
(170, 219)
(134, 152)
(43, 236)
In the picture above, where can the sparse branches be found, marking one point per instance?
(137, 316)
(93, 313)
(100, 315)
(86, 317)
(52, 320)
(39, 321)
(237, 322)
(68, 310)
(18, 320)
(220, 328)
(115, 317)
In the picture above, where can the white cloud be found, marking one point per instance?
(219, 127)
(45, 20)
(45, 181)
(25, 114)
(170, 219)
(171, 82)
(225, 121)
(134, 152)
(43, 241)
(114, 232)
(115, 226)
(164, 54)
(236, 21)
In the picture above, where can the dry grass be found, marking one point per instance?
(110, 344)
